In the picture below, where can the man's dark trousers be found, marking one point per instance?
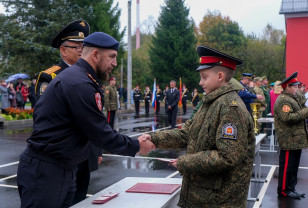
(157, 106)
(172, 113)
(44, 184)
(288, 168)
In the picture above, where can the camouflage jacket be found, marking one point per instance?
(301, 98)
(259, 91)
(220, 146)
(290, 126)
(111, 98)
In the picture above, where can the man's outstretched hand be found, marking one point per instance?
(145, 144)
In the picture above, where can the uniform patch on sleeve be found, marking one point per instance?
(43, 87)
(98, 100)
(107, 92)
(229, 131)
(286, 108)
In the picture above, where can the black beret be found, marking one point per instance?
(210, 57)
(74, 31)
(101, 40)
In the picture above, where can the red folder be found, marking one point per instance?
(154, 188)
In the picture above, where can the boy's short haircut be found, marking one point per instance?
(227, 71)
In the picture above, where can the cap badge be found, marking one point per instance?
(81, 34)
(200, 60)
(82, 24)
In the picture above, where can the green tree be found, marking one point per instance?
(220, 33)
(172, 52)
(29, 25)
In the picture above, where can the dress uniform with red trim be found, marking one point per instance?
(292, 137)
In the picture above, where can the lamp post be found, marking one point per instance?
(129, 58)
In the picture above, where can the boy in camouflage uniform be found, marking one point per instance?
(219, 139)
(292, 137)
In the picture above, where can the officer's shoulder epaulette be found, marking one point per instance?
(233, 103)
(52, 69)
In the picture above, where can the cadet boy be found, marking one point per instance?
(147, 99)
(219, 139)
(289, 116)
(111, 100)
(67, 119)
(137, 97)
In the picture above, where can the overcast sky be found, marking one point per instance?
(251, 15)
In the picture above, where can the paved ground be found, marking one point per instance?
(113, 169)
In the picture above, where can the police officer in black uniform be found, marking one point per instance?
(147, 99)
(184, 98)
(137, 97)
(67, 119)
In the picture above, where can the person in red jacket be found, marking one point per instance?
(25, 94)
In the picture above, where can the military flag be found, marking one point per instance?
(180, 101)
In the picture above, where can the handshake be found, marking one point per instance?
(145, 144)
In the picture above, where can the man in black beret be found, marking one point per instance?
(69, 40)
(68, 118)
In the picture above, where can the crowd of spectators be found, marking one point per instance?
(16, 94)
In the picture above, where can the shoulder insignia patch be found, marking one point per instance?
(229, 131)
(233, 103)
(43, 87)
(98, 101)
(286, 108)
(107, 92)
(52, 69)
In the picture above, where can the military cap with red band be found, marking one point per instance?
(291, 80)
(210, 57)
(112, 78)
